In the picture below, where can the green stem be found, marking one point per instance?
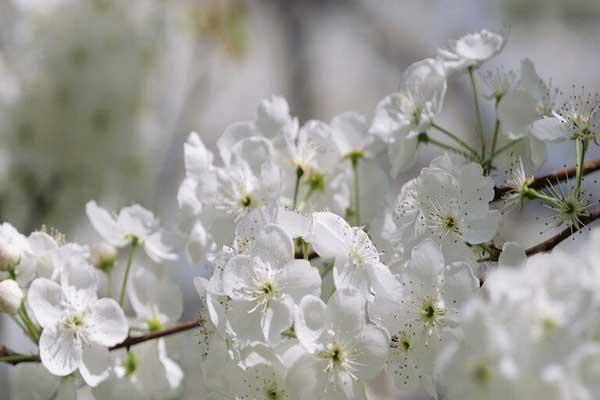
(447, 147)
(19, 358)
(504, 148)
(534, 194)
(354, 162)
(134, 245)
(33, 330)
(581, 146)
(478, 111)
(496, 134)
(299, 173)
(455, 138)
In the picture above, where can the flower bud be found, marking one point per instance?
(11, 296)
(10, 256)
(103, 256)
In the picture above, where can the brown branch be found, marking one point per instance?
(127, 343)
(133, 340)
(551, 243)
(552, 178)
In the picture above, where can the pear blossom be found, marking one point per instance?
(357, 263)
(343, 350)
(350, 135)
(576, 118)
(77, 327)
(402, 116)
(420, 310)
(264, 285)
(134, 223)
(448, 202)
(155, 300)
(530, 100)
(470, 51)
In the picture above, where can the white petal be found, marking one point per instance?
(198, 159)
(150, 294)
(372, 347)
(95, 362)
(482, 228)
(346, 312)
(513, 255)
(157, 248)
(310, 321)
(276, 318)
(137, 220)
(233, 134)
(402, 154)
(305, 378)
(105, 225)
(460, 284)
(45, 298)
(78, 273)
(329, 235)
(516, 111)
(238, 274)
(300, 278)
(60, 351)
(348, 276)
(350, 132)
(173, 372)
(273, 245)
(106, 323)
(550, 130)
(427, 261)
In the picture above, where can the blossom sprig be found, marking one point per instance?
(320, 277)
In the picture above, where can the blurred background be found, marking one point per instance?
(98, 96)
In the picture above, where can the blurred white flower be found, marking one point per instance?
(11, 296)
(470, 51)
(78, 327)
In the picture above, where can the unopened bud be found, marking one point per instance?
(10, 256)
(103, 256)
(11, 296)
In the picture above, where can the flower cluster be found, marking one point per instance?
(319, 276)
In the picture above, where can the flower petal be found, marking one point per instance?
(105, 225)
(300, 278)
(60, 351)
(95, 362)
(45, 298)
(106, 323)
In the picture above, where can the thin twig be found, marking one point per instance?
(551, 243)
(13, 358)
(182, 327)
(556, 176)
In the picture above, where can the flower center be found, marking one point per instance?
(431, 313)
(450, 223)
(400, 343)
(481, 373)
(246, 201)
(272, 392)
(335, 356)
(76, 321)
(356, 257)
